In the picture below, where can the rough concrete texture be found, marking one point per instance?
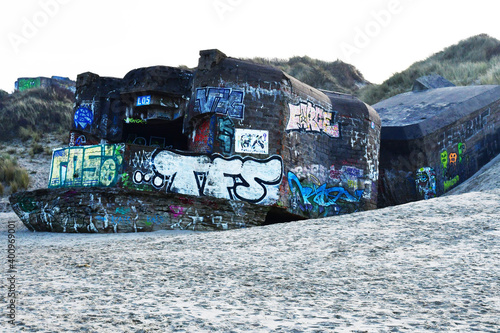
(105, 210)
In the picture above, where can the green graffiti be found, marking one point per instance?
(461, 151)
(125, 179)
(135, 121)
(450, 183)
(99, 165)
(444, 159)
(28, 83)
(27, 204)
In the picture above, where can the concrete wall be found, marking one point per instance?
(430, 165)
(110, 209)
(328, 143)
(118, 110)
(25, 83)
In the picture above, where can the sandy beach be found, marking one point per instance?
(429, 266)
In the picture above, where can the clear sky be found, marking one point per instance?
(112, 37)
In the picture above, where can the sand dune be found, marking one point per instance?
(425, 266)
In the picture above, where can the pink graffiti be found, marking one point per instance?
(335, 174)
(177, 211)
(308, 117)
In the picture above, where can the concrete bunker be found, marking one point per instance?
(226, 145)
(435, 137)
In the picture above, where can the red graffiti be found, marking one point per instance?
(202, 139)
(186, 201)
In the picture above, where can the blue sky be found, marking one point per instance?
(108, 37)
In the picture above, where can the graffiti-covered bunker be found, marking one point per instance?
(435, 137)
(227, 145)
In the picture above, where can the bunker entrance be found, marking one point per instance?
(165, 134)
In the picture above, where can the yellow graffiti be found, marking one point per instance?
(86, 166)
(450, 183)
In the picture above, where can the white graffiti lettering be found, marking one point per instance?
(235, 178)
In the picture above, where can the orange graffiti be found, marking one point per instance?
(453, 158)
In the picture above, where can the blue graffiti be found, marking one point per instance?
(224, 101)
(226, 134)
(83, 117)
(322, 196)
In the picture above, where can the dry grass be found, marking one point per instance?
(335, 76)
(31, 113)
(12, 175)
(473, 61)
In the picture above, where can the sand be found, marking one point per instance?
(429, 266)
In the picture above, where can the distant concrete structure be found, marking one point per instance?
(435, 137)
(431, 82)
(226, 145)
(25, 83)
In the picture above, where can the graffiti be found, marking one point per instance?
(122, 210)
(136, 140)
(80, 210)
(27, 204)
(157, 219)
(426, 182)
(444, 159)
(115, 129)
(314, 173)
(28, 83)
(77, 138)
(251, 141)
(202, 138)
(217, 221)
(177, 211)
(465, 131)
(335, 174)
(154, 141)
(226, 134)
(166, 115)
(351, 175)
(125, 179)
(461, 151)
(143, 100)
(142, 159)
(235, 178)
(84, 116)
(103, 127)
(135, 121)
(196, 219)
(456, 165)
(348, 175)
(453, 158)
(174, 211)
(237, 208)
(112, 221)
(321, 196)
(225, 101)
(307, 117)
(86, 166)
(450, 183)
